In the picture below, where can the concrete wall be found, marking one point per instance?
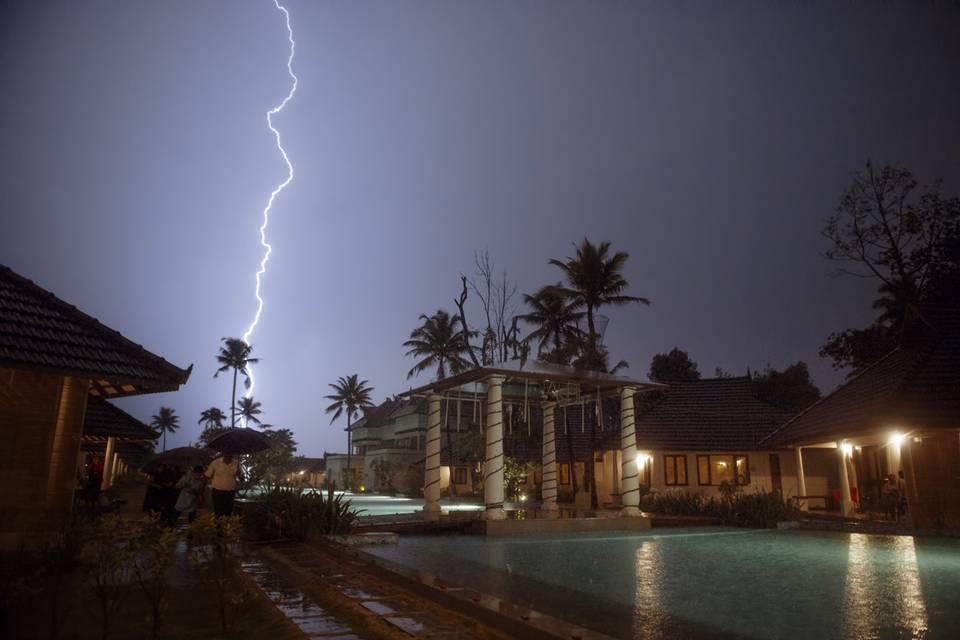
(41, 421)
(337, 463)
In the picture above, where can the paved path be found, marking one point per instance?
(312, 619)
(380, 609)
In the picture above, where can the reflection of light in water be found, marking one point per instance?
(912, 610)
(648, 616)
(858, 618)
(873, 597)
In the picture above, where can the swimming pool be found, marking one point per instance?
(706, 583)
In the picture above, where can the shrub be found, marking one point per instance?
(106, 561)
(299, 515)
(759, 509)
(153, 555)
(214, 539)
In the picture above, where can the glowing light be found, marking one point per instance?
(266, 211)
(896, 439)
(523, 498)
(847, 449)
(643, 459)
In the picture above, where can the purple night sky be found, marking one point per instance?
(708, 140)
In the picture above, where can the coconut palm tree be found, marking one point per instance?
(553, 316)
(440, 344)
(165, 421)
(211, 418)
(249, 409)
(594, 280)
(350, 396)
(235, 354)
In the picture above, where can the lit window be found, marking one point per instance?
(675, 470)
(715, 470)
(564, 473)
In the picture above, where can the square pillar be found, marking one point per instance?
(549, 488)
(630, 474)
(801, 482)
(846, 501)
(493, 460)
(431, 484)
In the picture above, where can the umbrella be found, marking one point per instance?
(185, 457)
(240, 440)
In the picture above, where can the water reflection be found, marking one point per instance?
(875, 595)
(649, 619)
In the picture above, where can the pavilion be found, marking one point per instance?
(121, 440)
(54, 359)
(900, 416)
(521, 386)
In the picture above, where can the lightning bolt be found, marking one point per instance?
(280, 187)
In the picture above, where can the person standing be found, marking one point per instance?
(191, 487)
(222, 474)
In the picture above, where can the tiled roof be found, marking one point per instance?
(39, 330)
(104, 420)
(715, 414)
(916, 384)
(389, 410)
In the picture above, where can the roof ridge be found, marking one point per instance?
(842, 385)
(95, 324)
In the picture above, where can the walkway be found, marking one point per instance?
(373, 608)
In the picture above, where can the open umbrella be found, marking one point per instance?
(240, 440)
(185, 457)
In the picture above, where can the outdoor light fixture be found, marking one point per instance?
(896, 439)
(642, 459)
(847, 449)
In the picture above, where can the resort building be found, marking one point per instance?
(705, 434)
(308, 472)
(388, 439)
(54, 360)
(897, 421)
(335, 466)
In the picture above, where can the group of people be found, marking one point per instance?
(171, 491)
(891, 498)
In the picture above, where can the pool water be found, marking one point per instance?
(717, 582)
(370, 504)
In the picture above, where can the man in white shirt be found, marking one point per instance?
(222, 474)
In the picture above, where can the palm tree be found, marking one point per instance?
(440, 344)
(553, 316)
(165, 420)
(249, 409)
(235, 354)
(211, 418)
(349, 395)
(594, 280)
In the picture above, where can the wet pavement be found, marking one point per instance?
(384, 601)
(312, 619)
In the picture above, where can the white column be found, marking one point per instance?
(630, 497)
(549, 489)
(801, 481)
(116, 468)
(431, 485)
(108, 464)
(493, 463)
(846, 502)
